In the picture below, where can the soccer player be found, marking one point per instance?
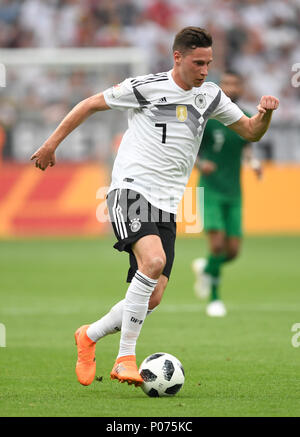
(166, 117)
(219, 161)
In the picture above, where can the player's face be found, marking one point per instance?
(232, 86)
(193, 66)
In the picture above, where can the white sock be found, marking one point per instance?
(110, 323)
(134, 311)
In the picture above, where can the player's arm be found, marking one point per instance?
(45, 155)
(252, 129)
(253, 162)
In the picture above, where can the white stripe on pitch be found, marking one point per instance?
(163, 308)
(264, 307)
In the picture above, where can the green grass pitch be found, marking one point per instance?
(240, 365)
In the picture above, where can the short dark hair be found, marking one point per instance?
(191, 37)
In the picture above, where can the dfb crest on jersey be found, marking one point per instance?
(135, 225)
(181, 113)
(200, 101)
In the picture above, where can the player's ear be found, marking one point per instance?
(177, 57)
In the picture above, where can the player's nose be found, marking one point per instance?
(204, 70)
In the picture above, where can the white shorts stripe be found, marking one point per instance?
(122, 222)
(114, 211)
(118, 216)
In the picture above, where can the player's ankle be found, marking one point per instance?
(126, 358)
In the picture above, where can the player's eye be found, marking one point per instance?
(202, 63)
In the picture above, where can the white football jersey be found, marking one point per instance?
(165, 128)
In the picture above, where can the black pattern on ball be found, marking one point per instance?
(174, 389)
(148, 376)
(163, 375)
(168, 369)
(153, 393)
(153, 357)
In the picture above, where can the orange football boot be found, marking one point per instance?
(86, 362)
(125, 370)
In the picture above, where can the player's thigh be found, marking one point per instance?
(167, 233)
(233, 219)
(149, 252)
(137, 234)
(216, 241)
(213, 214)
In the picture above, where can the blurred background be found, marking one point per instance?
(55, 53)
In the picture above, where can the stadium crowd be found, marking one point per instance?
(257, 38)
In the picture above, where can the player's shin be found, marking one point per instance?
(135, 311)
(108, 324)
(213, 268)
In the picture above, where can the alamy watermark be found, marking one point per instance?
(135, 209)
(296, 77)
(2, 335)
(2, 76)
(296, 337)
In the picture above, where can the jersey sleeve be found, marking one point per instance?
(227, 112)
(121, 96)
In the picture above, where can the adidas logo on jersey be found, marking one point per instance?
(163, 100)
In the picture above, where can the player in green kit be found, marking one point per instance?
(219, 161)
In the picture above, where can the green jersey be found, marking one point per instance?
(225, 148)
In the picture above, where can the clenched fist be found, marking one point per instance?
(267, 103)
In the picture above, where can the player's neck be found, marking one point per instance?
(178, 80)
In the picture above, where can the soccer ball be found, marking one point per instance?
(163, 375)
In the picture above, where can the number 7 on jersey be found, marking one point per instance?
(164, 131)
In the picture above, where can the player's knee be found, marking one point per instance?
(232, 253)
(157, 264)
(218, 248)
(154, 265)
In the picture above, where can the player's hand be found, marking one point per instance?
(44, 156)
(267, 103)
(207, 167)
(257, 167)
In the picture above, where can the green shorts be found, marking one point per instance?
(223, 214)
